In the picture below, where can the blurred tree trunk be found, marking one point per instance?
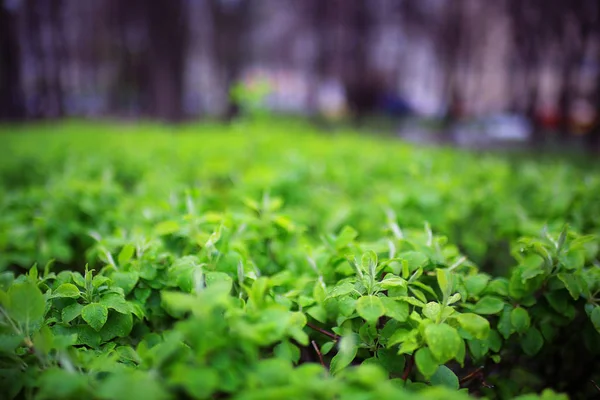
(44, 26)
(451, 41)
(319, 15)
(230, 21)
(58, 56)
(531, 112)
(361, 84)
(11, 95)
(593, 137)
(131, 86)
(168, 38)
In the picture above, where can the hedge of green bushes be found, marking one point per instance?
(272, 261)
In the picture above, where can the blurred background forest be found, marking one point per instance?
(461, 71)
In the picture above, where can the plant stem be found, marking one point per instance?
(314, 344)
(323, 331)
(408, 368)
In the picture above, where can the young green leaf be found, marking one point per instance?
(346, 353)
(126, 254)
(443, 341)
(445, 282)
(370, 308)
(474, 324)
(432, 310)
(369, 263)
(66, 290)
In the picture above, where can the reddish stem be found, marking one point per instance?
(408, 368)
(323, 331)
(318, 353)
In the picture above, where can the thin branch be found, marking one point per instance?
(408, 368)
(314, 344)
(474, 374)
(477, 374)
(595, 385)
(323, 331)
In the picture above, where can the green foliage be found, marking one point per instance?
(230, 264)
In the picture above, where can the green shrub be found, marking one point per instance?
(227, 263)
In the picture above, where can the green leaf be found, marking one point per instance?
(489, 305)
(198, 382)
(478, 348)
(116, 302)
(432, 310)
(532, 266)
(95, 315)
(453, 299)
(532, 342)
(412, 301)
(494, 341)
(445, 282)
(26, 305)
(392, 281)
(70, 312)
(100, 280)
(318, 312)
(573, 259)
(132, 385)
(166, 228)
(370, 308)
(125, 280)
(341, 289)
(214, 277)
(474, 324)
(9, 342)
(475, 284)
(369, 263)
(395, 309)
(414, 259)
(319, 291)
(505, 324)
(346, 236)
(56, 383)
(519, 318)
(444, 376)
(346, 353)
(426, 362)
(400, 336)
(66, 290)
(117, 325)
(443, 341)
(126, 254)
(288, 351)
(571, 283)
(87, 335)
